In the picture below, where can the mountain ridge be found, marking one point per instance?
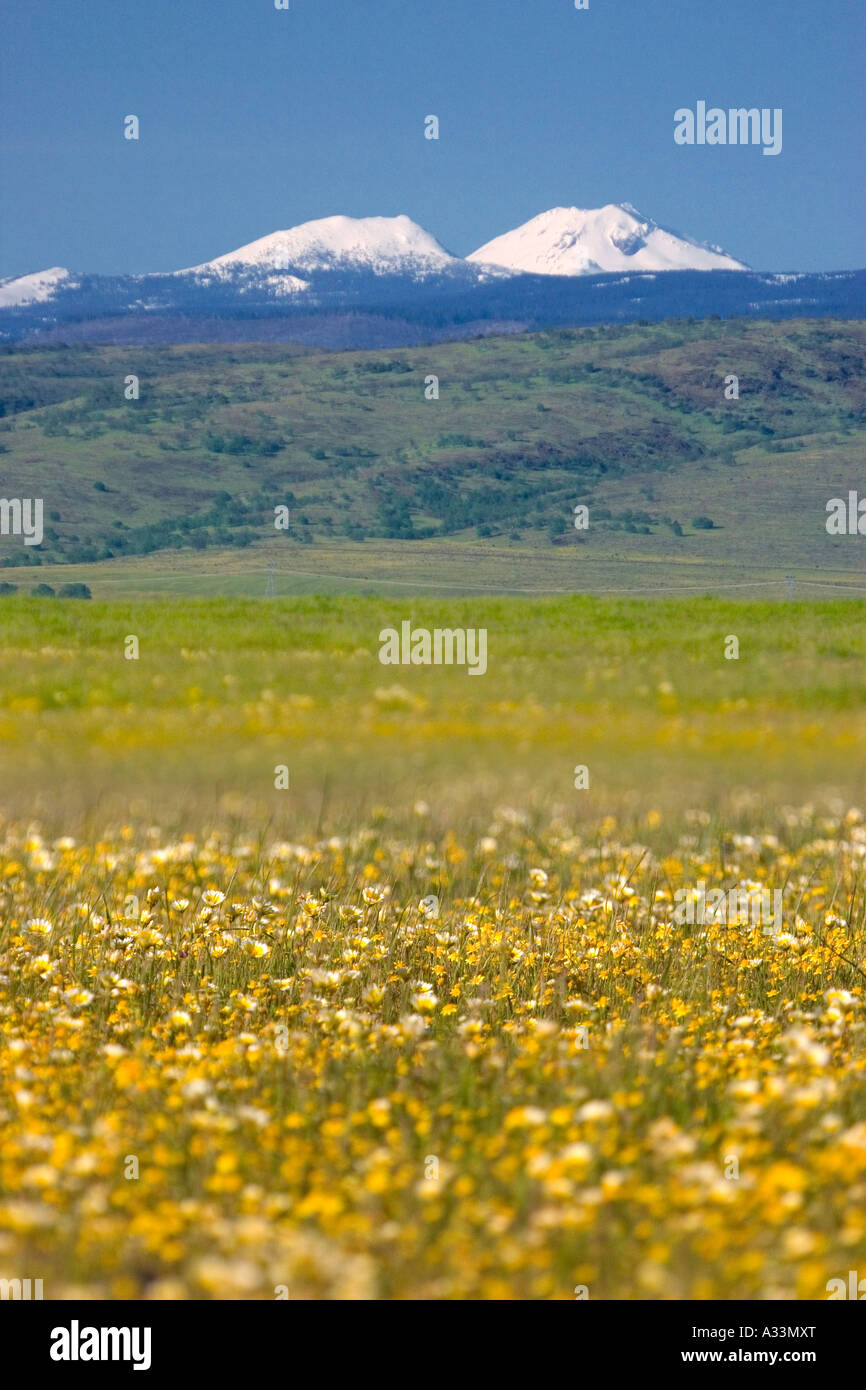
(398, 245)
(342, 282)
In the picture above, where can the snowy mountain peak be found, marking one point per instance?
(32, 289)
(377, 245)
(576, 241)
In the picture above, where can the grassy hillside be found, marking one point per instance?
(631, 422)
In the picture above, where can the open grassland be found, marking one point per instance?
(223, 691)
(634, 565)
(428, 1023)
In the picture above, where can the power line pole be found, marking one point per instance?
(270, 591)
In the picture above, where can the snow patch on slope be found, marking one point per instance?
(32, 289)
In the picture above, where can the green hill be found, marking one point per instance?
(476, 488)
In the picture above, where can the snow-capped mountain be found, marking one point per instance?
(32, 289)
(342, 282)
(574, 241)
(372, 245)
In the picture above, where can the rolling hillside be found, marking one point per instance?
(630, 422)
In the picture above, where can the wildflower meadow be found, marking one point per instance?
(325, 980)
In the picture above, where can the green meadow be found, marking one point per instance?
(224, 691)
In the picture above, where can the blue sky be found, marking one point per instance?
(254, 119)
